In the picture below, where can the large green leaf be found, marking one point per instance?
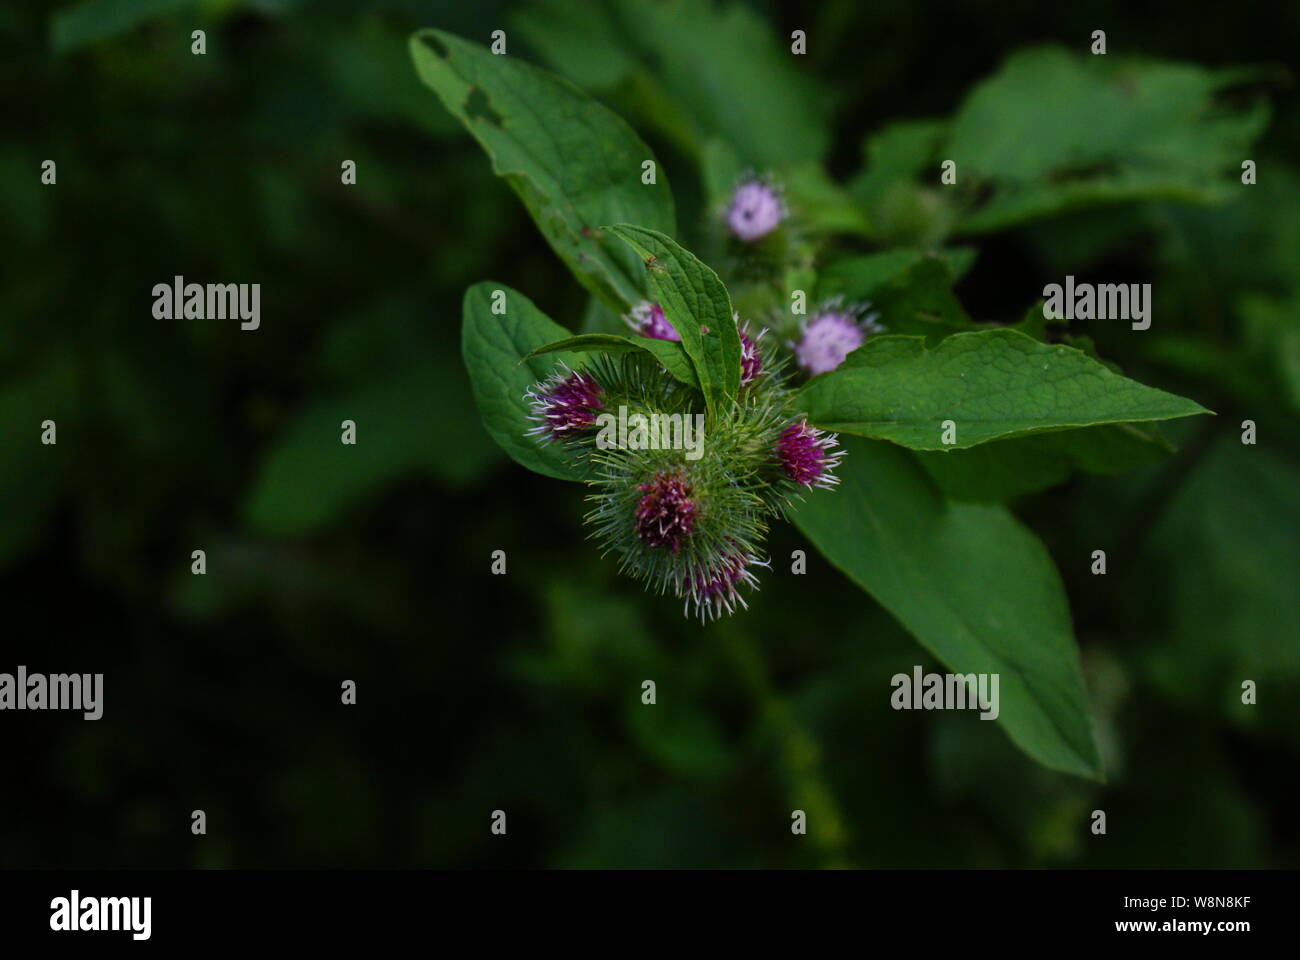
(899, 189)
(669, 353)
(897, 152)
(495, 347)
(407, 426)
(1004, 469)
(1055, 131)
(574, 163)
(696, 303)
(975, 587)
(910, 291)
(697, 69)
(821, 204)
(989, 383)
(1225, 608)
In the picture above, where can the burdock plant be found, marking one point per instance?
(684, 498)
(893, 437)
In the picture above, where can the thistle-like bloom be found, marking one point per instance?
(648, 319)
(756, 209)
(832, 334)
(751, 361)
(715, 589)
(666, 514)
(565, 405)
(807, 455)
(687, 519)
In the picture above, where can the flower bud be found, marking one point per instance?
(807, 456)
(755, 211)
(648, 319)
(831, 334)
(565, 405)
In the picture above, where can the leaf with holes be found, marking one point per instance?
(574, 163)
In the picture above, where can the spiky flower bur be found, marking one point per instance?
(807, 455)
(565, 406)
(755, 210)
(833, 332)
(751, 358)
(673, 520)
(639, 384)
(685, 504)
(665, 515)
(678, 514)
(647, 318)
(716, 590)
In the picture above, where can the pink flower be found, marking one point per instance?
(806, 455)
(564, 405)
(832, 334)
(666, 514)
(755, 211)
(648, 319)
(751, 361)
(715, 589)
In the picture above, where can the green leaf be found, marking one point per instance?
(1004, 469)
(899, 188)
(720, 168)
(574, 163)
(822, 204)
(990, 383)
(579, 38)
(697, 69)
(974, 586)
(910, 290)
(1213, 592)
(495, 348)
(1152, 131)
(406, 426)
(734, 77)
(696, 303)
(669, 353)
(900, 151)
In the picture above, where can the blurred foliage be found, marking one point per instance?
(522, 692)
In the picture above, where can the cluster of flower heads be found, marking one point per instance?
(690, 517)
(826, 337)
(691, 526)
(648, 319)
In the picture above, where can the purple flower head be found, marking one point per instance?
(751, 361)
(648, 319)
(666, 514)
(806, 455)
(714, 589)
(831, 334)
(564, 405)
(755, 210)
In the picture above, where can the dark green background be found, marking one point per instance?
(521, 692)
